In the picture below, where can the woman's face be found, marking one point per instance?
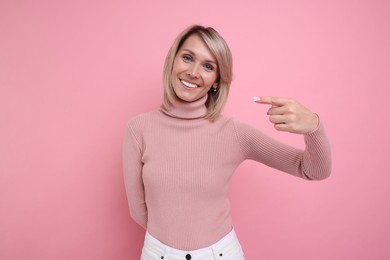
(194, 70)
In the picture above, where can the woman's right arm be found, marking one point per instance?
(132, 170)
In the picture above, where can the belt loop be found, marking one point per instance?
(166, 253)
(215, 252)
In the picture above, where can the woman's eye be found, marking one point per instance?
(187, 58)
(209, 67)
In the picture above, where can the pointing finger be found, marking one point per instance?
(275, 101)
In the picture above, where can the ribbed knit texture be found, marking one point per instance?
(177, 166)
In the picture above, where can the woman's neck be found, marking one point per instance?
(188, 110)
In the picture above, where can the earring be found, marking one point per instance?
(215, 87)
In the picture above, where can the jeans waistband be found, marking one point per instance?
(228, 242)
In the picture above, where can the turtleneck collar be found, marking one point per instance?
(188, 110)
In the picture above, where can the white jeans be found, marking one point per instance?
(228, 248)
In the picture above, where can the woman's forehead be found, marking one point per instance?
(195, 45)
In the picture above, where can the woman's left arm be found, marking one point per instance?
(313, 163)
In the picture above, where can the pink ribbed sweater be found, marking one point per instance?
(177, 166)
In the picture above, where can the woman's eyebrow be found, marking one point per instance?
(194, 54)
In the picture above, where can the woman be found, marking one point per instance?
(178, 160)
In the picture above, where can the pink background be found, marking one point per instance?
(73, 72)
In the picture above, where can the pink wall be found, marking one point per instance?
(73, 72)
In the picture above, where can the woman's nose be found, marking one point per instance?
(193, 71)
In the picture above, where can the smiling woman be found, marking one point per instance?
(178, 160)
(194, 70)
(206, 58)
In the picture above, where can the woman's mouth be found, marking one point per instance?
(188, 84)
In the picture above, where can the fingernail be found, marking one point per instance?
(255, 98)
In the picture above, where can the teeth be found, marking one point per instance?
(190, 85)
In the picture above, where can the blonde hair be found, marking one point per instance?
(221, 52)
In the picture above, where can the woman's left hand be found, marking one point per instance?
(289, 115)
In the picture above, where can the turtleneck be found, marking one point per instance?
(177, 171)
(187, 110)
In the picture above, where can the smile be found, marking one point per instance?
(188, 84)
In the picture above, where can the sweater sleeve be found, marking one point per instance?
(312, 163)
(132, 170)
